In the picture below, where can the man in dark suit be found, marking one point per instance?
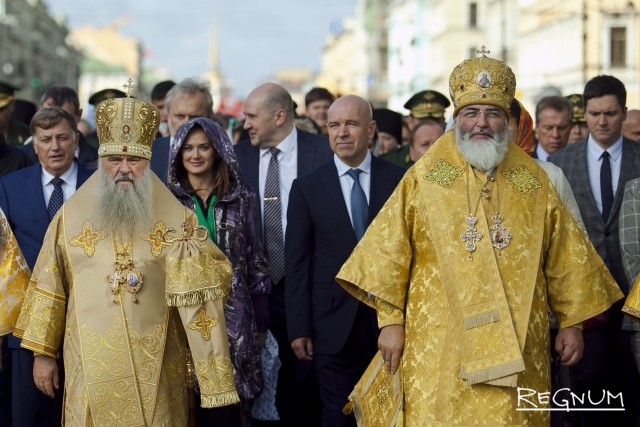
(598, 170)
(276, 145)
(188, 99)
(29, 198)
(325, 324)
(67, 99)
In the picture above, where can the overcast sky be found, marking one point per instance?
(255, 37)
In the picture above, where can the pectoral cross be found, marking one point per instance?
(130, 85)
(124, 275)
(471, 236)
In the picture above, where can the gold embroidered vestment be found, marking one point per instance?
(475, 329)
(125, 359)
(14, 277)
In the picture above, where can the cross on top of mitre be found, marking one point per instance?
(128, 86)
(483, 51)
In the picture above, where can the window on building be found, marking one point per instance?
(473, 15)
(618, 47)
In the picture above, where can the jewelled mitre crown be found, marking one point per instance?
(578, 108)
(126, 126)
(482, 80)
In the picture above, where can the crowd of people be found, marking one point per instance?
(168, 267)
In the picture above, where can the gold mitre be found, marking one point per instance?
(126, 126)
(482, 80)
(578, 107)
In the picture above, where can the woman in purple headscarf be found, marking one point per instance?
(204, 175)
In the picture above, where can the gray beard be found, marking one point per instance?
(124, 212)
(483, 154)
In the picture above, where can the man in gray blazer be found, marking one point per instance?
(598, 170)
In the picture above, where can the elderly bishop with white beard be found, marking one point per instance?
(464, 261)
(124, 281)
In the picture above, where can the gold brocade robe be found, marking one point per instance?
(125, 361)
(412, 266)
(14, 277)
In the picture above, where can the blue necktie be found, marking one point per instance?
(56, 199)
(359, 206)
(606, 186)
(273, 239)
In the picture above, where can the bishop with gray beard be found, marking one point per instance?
(483, 153)
(124, 210)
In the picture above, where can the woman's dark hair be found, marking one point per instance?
(221, 180)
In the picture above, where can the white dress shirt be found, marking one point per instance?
(542, 153)
(288, 168)
(70, 178)
(346, 182)
(594, 162)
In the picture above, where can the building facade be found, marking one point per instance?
(34, 52)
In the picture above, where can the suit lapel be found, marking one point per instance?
(379, 189)
(583, 184)
(626, 174)
(331, 191)
(252, 169)
(306, 152)
(33, 187)
(83, 175)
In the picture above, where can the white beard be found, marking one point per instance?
(124, 212)
(483, 154)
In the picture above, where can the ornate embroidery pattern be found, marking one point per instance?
(45, 309)
(215, 375)
(194, 272)
(383, 392)
(157, 238)
(522, 178)
(109, 372)
(145, 351)
(443, 173)
(203, 324)
(384, 306)
(87, 238)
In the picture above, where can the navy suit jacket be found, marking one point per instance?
(318, 241)
(572, 159)
(313, 152)
(160, 157)
(22, 201)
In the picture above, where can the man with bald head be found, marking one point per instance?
(631, 126)
(276, 154)
(329, 210)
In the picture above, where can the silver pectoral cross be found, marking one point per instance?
(471, 236)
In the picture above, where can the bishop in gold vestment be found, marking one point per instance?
(470, 273)
(14, 276)
(120, 298)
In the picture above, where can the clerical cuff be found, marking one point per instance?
(388, 314)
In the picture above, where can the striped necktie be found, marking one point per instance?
(273, 238)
